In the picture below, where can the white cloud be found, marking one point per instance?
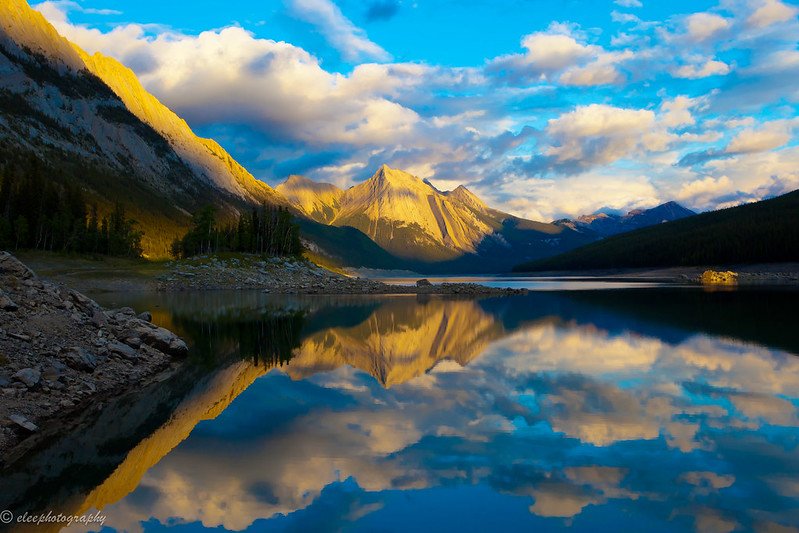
(677, 112)
(603, 71)
(704, 189)
(561, 54)
(601, 134)
(703, 26)
(624, 18)
(711, 67)
(628, 3)
(548, 199)
(770, 136)
(550, 52)
(339, 31)
(775, 62)
(769, 12)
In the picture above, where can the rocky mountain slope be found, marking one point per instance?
(319, 201)
(428, 228)
(89, 120)
(606, 224)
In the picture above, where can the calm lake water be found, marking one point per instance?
(652, 409)
(542, 283)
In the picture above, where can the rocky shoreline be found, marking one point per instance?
(62, 354)
(294, 276)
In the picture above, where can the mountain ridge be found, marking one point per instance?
(429, 229)
(761, 232)
(206, 157)
(607, 224)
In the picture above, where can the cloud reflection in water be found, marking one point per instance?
(460, 402)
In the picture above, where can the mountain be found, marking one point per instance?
(430, 230)
(398, 342)
(761, 232)
(607, 224)
(89, 121)
(86, 120)
(319, 201)
(207, 160)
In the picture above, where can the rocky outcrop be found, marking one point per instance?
(711, 277)
(61, 352)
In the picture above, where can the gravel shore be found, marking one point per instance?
(61, 354)
(294, 276)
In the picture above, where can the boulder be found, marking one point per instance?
(23, 422)
(6, 303)
(123, 350)
(54, 370)
(98, 318)
(162, 339)
(81, 359)
(84, 303)
(146, 316)
(29, 376)
(423, 283)
(10, 265)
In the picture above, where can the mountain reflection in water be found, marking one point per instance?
(662, 409)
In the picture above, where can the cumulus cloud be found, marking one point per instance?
(560, 54)
(552, 198)
(711, 67)
(705, 189)
(768, 12)
(600, 134)
(339, 31)
(703, 26)
(770, 136)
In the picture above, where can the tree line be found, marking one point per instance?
(760, 232)
(41, 214)
(268, 230)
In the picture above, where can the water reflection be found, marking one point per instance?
(587, 410)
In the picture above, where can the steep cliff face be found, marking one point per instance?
(410, 218)
(205, 157)
(25, 28)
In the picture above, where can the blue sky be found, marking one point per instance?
(546, 109)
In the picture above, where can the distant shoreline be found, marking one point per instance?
(228, 272)
(754, 274)
(287, 276)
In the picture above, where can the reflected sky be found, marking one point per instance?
(546, 412)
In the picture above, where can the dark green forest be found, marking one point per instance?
(40, 213)
(268, 230)
(761, 232)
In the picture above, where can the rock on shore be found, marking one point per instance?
(295, 276)
(60, 352)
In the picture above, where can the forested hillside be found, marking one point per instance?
(762, 232)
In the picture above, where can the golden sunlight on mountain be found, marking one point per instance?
(205, 156)
(399, 342)
(30, 29)
(206, 403)
(319, 201)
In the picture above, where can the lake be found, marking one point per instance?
(648, 408)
